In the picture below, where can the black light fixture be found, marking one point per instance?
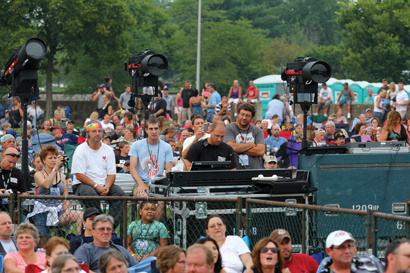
(144, 68)
(21, 69)
(303, 76)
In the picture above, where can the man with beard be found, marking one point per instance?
(246, 140)
(94, 171)
(293, 262)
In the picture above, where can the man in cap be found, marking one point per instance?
(293, 262)
(66, 138)
(70, 127)
(34, 113)
(94, 171)
(397, 256)
(270, 162)
(8, 141)
(340, 138)
(368, 114)
(341, 247)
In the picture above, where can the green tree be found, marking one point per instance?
(152, 30)
(377, 39)
(94, 26)
(303, 22)
(333, 55)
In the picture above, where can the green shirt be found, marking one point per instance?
(145, 238)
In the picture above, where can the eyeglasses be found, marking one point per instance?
(343, 248)
(245, 116)
(217, 225)
(72, 269)
(14, 155)
(266, 249)
(104, 229)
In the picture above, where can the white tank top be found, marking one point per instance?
(380, 105)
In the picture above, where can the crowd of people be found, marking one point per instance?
(98, 250)
(118, 142)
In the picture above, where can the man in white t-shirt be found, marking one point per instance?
(94, 171)
(402, 100)
(7, 243)
(325, 99)
(108, 127)
(198, 123)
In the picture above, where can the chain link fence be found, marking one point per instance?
(310, 225)
(182, 220)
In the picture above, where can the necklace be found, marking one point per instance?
(30, 260)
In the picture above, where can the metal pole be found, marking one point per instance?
(198, 51)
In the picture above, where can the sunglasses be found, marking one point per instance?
(266, 249)
(14, 155)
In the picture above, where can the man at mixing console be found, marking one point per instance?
(212, 148)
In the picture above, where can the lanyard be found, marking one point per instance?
(6, 183)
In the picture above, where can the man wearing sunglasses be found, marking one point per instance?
(341, 247)
(293, 262)
(11, 178)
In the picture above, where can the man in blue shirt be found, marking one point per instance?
(275, 140)
(214, 99)
(66, 138)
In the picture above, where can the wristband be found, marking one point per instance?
(95, 186)
(133, 255)
(54, 170)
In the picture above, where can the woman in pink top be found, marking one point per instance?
(27, 238)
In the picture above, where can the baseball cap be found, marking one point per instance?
(279, 234)
(271, 158)
(339, 135)
(69, 121)
(165, 87)
(338, 237)
(6, 137)
(369, 109)
(102, 86)
(54, 127)
(33, 101)
(347, 84)
(6, 111)
(90, 212)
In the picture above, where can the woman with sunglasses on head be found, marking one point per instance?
(217, 255)
(267, 257)
(147, 236)
(234, 252)
(50, 181)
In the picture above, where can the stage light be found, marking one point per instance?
(26, 57)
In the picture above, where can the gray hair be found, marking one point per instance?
(106, 257)
(103, 218)
(331, 123)
(60, 261)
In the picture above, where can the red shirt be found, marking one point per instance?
(251, 92)
(301, 263)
